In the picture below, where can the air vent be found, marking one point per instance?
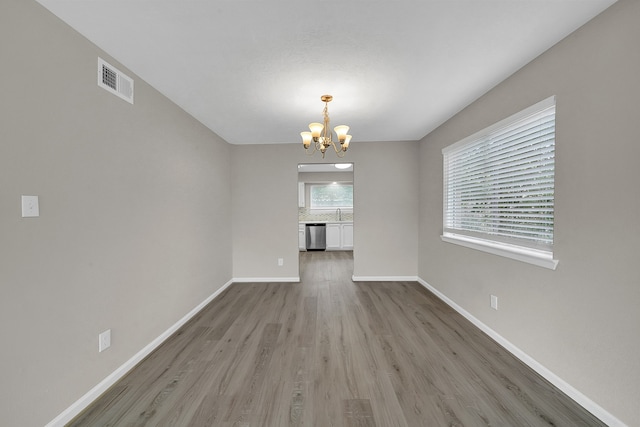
(112, 80)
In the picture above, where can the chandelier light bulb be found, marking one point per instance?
(341, 131)
(316, 129)
(306, 139)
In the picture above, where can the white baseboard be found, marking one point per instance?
(568, 389)
(79, 405)
(384, 278)
(264, 279)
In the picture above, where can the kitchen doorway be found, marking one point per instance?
(325, 208)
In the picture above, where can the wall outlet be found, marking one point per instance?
(494, 302)
(104, 340)
(280, 262)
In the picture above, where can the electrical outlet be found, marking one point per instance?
(280, 262)
(494, 302)
(104, 340)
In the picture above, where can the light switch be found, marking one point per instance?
(104, 340)
(30, 207)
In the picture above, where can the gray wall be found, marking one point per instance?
(265, 208)
(582, 320)
(134, 219)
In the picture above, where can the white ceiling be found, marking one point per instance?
(254, 71)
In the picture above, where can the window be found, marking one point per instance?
(327, 196)
(499, 187)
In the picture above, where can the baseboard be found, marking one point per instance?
(384, 278)
(264, 279)
(561, 384)
(79, 405)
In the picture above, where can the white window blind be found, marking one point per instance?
(499, 183)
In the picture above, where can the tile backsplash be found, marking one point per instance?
(306, 214)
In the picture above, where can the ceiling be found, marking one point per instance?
(254, 71)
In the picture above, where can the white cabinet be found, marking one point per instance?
(301, 196)
(347, 236)
(340, 236)
(334, 237)
(302, 238)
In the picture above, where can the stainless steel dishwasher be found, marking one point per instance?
(316, 235)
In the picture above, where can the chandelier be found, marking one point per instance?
(320, 134)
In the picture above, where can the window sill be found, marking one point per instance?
(531, 256)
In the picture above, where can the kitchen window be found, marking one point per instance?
(331, 196)
(499, 187)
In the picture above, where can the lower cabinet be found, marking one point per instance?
(302, 238)
(333, 237)
(347, 236)
(340, 237)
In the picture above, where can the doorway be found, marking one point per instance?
(325, 197)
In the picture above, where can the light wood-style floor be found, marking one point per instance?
(331, 352)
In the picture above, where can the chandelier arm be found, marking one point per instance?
(312, 152)
(335, 148)
(339, 151)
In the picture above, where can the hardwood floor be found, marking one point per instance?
(331, 352)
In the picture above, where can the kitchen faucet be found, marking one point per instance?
(339, 214)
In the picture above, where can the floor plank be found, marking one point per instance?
(331, 352)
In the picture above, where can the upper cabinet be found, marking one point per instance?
(301, 194)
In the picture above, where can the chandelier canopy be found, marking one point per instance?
(321, 135)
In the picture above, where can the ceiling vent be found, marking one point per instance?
(112, 80)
